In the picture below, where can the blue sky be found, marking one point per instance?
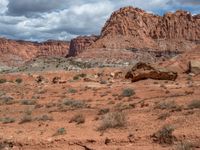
(40, 20)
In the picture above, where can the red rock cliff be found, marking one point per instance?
(80, 43)
(134, 28)
(16, 52)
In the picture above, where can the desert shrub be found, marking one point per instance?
(164, 135)
(103, 82)
(112, 120)
(121, 106)
(26, 118)
(77, 77)
(78, 119)
(128, 92)
(28, 102)
(168, 105)
(18, 80)
(7, 120)
(184, 146)
(72, 90)
(103, 111)
(44, 118)
(164, 116)
(194, 104)
(39, 79)
(74, 103)
(60, 131)
(3, 81)
(6, 100)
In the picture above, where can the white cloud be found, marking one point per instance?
(3, 6)
(64, 19)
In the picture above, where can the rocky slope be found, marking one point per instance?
(130, 28)
(17, 52)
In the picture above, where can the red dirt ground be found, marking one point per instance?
(141, 120)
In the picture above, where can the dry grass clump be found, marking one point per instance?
(112, 120)
(75, 103)
(78, 119)
(164, 135)
(194, 104)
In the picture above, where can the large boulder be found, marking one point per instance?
(142, 71)
(194, 66)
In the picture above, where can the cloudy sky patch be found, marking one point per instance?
(40, 20)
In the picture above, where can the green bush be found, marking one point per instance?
(72, 90)
(60, 131)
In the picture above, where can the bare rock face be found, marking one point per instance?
(142, 71)
(134, 28)
(80, 43)
(53, 48)
(17, 52)
(130, 24)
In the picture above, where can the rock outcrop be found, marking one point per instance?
(130, 28)
(142, 71)
(53, 48)
(17, 52)
(80, 43)
(194, 67)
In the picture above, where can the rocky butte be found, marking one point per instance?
(133, 28)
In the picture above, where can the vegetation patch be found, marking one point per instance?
(168, 106)
(128, 92)
(77, 77)
(75, 103)
(26, 118)
(164, 135)
(72, 90)
(18, 80)
(7, 120)
(164, 116)
(60, 131)
(28, 102)
(121, 106)
(6, 100)
(3, 81)
(194, 104)
(112, 120)
(44, 118)
(78, 119)
(103, 111)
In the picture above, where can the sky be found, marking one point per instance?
(40, 20)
